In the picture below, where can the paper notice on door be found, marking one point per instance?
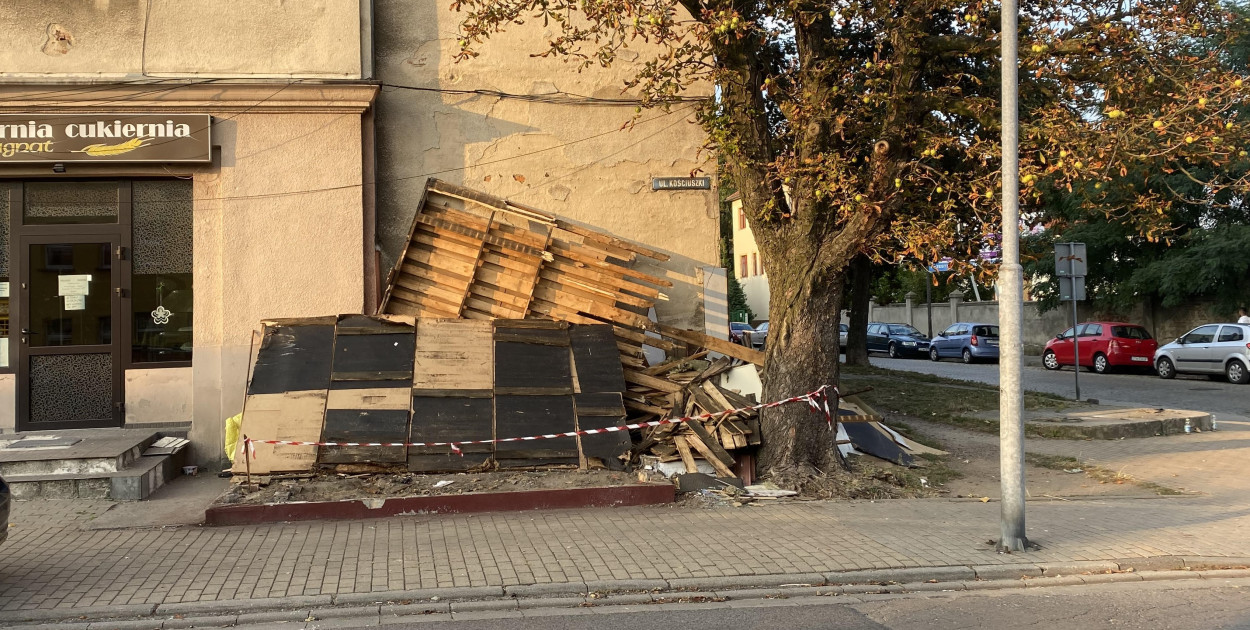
(74, 285)
(75, 302)
(4, 352)
(4, 289)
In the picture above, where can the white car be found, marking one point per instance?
(1210, 349)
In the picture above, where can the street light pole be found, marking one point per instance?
(1011, 303)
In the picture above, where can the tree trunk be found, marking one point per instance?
(861, 289)
(802, 356)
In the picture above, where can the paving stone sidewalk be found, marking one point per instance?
(51, 561)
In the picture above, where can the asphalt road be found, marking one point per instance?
(1196, 393)
(1182, 605)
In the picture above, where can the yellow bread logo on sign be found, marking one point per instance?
(103, 150)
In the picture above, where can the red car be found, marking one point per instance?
(1103, 345)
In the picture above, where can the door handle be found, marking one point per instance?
(27, 331)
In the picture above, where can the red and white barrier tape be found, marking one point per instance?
(818, 400)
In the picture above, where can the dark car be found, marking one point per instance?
(1103, 346)
(756, 338)
(970, 341)
(5, 499)
(899, 340)
(735, 332)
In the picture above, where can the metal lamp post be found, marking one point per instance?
(1011, 304)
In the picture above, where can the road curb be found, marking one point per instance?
(849, 584)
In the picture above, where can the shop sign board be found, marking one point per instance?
(681, 183)
(105, 138)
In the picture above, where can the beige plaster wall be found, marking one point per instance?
(158, 396)
(8, 402)
(571, 160)
(236, 38)
(278, 233)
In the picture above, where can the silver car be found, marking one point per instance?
(1208, 349)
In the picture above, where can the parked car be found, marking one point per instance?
(898, 340)
(970, 341)
(1103, 346)
(5, 499)
(1211, 349)
(843, 329)
(756, 338)
(735, 332)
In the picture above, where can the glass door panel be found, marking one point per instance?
(70, 373)
(70, 295)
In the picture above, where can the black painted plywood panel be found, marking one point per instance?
(293, 358)
(447, 419)
(374, 357)
(519, 416)
(532, 366)
(597, 359)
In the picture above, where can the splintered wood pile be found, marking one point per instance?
(471, 255)
(687, 388)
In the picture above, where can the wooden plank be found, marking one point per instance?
(712, 343)
(637, 378)
(374, 325)
(687, 458)
(709, 450)
(580, 254)
(634, 405)
(454, 354)
(656, 370)
(296, 416)
(594, 275)
(371, 398)
(600, 237)
(422, 261)
(713, 447)
(489, 308)
(588, 306)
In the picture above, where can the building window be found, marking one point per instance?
(755, 264)
(742, 219)
(742, 270)
(162, 307)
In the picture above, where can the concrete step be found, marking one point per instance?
(133, 483)
(94, 453)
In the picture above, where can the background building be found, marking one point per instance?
(748, 266)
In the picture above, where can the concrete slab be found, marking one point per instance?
(1105, 422)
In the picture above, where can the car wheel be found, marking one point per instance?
(967, 356)
(894, 352)
(1237, 372)
(933, 354)
(1100, 364)
(1165, 368)
(1050, 361)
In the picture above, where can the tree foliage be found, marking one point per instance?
(872, 126)
(1127, 267)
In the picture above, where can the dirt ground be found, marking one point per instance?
(331, 486)
(973, 460)
(969, 471)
